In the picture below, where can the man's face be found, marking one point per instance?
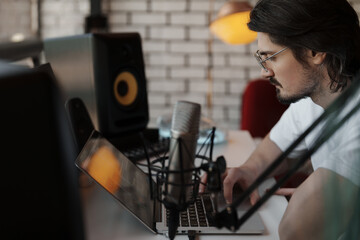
(292, 80)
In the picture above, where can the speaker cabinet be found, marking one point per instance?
(105, 70)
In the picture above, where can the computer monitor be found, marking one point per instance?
(38, 175)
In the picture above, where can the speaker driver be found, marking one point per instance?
(125, 89)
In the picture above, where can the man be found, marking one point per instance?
(310, 50)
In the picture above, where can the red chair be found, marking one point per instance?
(260, 111)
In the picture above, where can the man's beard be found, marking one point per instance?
(290, 99)
(311, 85)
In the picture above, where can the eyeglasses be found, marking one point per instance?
(262, 61)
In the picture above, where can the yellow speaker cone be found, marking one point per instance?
(125, 88)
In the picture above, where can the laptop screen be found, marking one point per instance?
(100, 160)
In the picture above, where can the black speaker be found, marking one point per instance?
(105, 70)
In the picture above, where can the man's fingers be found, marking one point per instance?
(223, 176)
(203, 181)
(228, 189)
(285, 191)
(202, 184)
(254, 197)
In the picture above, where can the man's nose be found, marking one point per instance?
(268, 73)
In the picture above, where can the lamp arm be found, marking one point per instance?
(332, 115)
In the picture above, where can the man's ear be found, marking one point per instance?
(316, 58)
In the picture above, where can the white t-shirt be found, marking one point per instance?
(341, 153)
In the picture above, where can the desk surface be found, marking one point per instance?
(106, 219)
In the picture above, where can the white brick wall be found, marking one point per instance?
(167, 33)
(198, 60)
(189, 47)
(168, 6)
(63, 17)
(148, 18)
(155, 73)
(175, 43)
(199, 33)
(118, 18)
(188, 19)
(154, 46)
(165, 59)
(188, 72)
(15, 18)
(242, 60)
(133, 5)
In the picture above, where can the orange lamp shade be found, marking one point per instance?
(233, 29)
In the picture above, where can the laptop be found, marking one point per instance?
(130, 186)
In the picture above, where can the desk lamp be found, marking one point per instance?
(231, 23)
(230, 26)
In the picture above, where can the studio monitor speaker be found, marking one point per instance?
(105, 70)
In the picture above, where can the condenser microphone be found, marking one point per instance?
(184, 135)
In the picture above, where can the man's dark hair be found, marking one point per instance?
(329, 26)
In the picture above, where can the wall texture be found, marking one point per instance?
(175, 45)
(15, 18)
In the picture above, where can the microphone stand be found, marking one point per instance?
(333, 120)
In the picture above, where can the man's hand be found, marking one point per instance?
(287, 192)
(242, 176)
(203, 182)
(232, 176)
(245, 175)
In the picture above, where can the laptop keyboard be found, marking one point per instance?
(156, 149)
(195, 215)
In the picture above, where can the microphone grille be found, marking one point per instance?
(186, 117)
